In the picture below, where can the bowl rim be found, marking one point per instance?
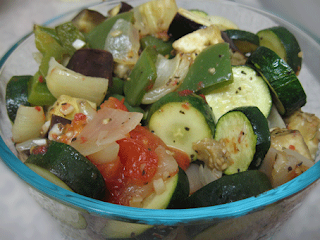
(152, 216)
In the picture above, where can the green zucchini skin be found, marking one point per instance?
(261, 129)
(229, 188)
(288, 93)
(192, 99)
(17, 94)
(75, 170)
(284, 43)
(181, 192)
(245, 41)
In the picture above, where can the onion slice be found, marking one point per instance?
(107, 126)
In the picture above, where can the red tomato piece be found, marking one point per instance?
(149, 139)
(140, 163)
(113, 102)
(152, 141)
(181, 157)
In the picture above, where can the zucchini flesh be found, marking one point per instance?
(247, 89)
(180, 120)
(179, 126)
(288, 93)
(235, 130)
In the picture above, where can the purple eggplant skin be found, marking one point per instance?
(88, 19)
(181, 26)
(120, 8)
(125, 7)
(92, 63)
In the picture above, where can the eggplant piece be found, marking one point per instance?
(87, 19)
(185, 22)
(120, 8)
(58, 119)
(92, 63)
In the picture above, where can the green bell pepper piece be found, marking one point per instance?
(142, 76)
(97, 37)
(38, 92)
(47, 43)
(211, 69)
(68, 33)
(163, 47)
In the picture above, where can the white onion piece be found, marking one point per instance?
(107, 126)
(86, 109)
(194, 178)
(275, 119)
(27, 145)
(159, 186)
(167, 165)
(123, 42)
(280, 166)
(154, 16)
(208, 175)
(170, 73)
(28, 123)
(108, 154)
(63, 81)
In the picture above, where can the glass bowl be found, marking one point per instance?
(81, 217)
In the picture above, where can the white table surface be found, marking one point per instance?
(22, 218)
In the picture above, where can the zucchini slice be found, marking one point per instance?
(177, 189)
(288, 93)
(235, 130)
(181, 120)
(261, 129)
(247, 89)
(17, 94)
(230, 189)
(283, 42)
(76, 171)
(245, 41)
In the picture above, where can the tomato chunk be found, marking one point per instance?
(113, 102)
(140, 163)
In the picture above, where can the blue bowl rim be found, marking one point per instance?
(152, 216)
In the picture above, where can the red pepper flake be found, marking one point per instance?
(83, 139)
(40, 79)
(38, 108)
(203, 96)
(80, 117)
(200, 85)
(150, 86)
(184, 93)
(291, 147)
(185, 105)
(39, 150)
